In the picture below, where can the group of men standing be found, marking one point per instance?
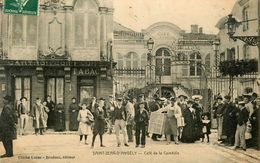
(237, 121)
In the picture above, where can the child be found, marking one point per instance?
(206, 126)
(84, 125)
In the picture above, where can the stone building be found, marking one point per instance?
(243, 10)
(180, 63)
(63, 52)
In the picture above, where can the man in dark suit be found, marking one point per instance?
(8, 121)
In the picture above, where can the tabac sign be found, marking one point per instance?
(23, 7)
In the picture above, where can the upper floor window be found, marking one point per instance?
(246, 51)
(195, 64)
(131, 60)
(163, 62)
(85, 24)
(245, 18)
(24, 30)
(231, 54)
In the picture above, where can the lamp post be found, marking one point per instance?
(216, 44)
(232, 25)
(150, 44)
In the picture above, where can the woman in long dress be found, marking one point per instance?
(84, 117)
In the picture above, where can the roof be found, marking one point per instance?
(221, 23)
(198, 36)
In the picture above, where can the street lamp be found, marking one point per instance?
(216, 46)
(232, 24)
(150, 44)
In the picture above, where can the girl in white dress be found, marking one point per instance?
(84, 118)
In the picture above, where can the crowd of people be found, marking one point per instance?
(237, 121)
(185, 119)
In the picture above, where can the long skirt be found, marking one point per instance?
(84, 128)
(73, 121)
(99, 127)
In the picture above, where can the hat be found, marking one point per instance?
(141, 103)
(73, 98)
(190, 101)
(23, 98)
(8, 98)
(172, 99)
(101, 98)
(163, 99)
(111, 96)
(194, 97)
(219, 98)
(247, 95)
(119, 99)
(155, 96)
(241, 103)
(184, 96)
(227, 97)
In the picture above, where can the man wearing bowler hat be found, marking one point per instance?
(23, 114)
(8, 121)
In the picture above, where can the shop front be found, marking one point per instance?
(62, 80)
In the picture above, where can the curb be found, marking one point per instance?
(241, 152)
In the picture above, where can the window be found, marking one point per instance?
(85, 24)
(132, 60)
(207, 61)
(163, 62)
(55, 88)
(24, 30)
(120, 61)
(143, 60)
(195, 64)
(23, 89)
(246, 51)
(222, 57)
(231, 54)
(245, 18)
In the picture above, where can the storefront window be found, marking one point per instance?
(23, 89)
(55, 88)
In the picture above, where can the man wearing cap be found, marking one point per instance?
(130, 110)
(242, 118)
(23, 114)
(8, 121)
(229, 121)
(120, 121)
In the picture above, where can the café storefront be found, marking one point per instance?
(62, 80)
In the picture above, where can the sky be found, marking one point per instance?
(140, 14)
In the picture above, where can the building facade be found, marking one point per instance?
(180, 62)
(63, 52)
(243, 10)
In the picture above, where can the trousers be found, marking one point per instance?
(23, 122)
(120, 124)
(140, 131)
(240, 140)
(8, 145)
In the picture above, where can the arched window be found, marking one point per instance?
(131, 60)
(195, 64)
(207, 61)
(120, 61)
(163, 62)
(143, 60)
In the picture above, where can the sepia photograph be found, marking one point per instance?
(142, 81)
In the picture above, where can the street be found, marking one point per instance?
(55, 148)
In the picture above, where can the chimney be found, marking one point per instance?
(201, 30)
(194, 28)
